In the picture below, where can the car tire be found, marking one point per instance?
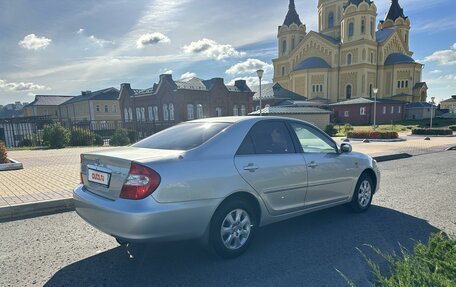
(362, 195)
(233, 227)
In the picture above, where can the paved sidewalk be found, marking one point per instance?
(52, 174)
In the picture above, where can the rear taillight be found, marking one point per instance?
(140, 183)
(80, 173)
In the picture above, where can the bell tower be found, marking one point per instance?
(291, 32)
(396, 18)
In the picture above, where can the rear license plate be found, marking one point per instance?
(99, 177)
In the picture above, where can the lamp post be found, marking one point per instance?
(260, 75)
(375, 90)
(432, 109)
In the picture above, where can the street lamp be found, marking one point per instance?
(260, 75)
(375, 90)
(432, 109)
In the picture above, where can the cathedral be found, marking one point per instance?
(350, 56)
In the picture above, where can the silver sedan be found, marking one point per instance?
(220, 179)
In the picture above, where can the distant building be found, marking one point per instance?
(12, 110)
(349, 55)
(449, 104)
(361, 111)
(273, 94)
(419, 111)
(98, 107)
(45, 105)
(170, 102)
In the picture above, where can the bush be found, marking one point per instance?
(120, 138)
(133, 136)
(3, 154)
(373, 135)
(453, 128)
(432, 132)
(26, 143)
(82, 137)
(330, 130)
(99, 140)
(56, 136)
(433, 264)
(347, 128)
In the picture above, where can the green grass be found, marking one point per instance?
(432, 264)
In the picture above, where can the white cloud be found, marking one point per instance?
(100, 42)
(188, 75)
(80, 31)
(444, 57)
(167, 71)
(151, 39)
(21, 86)
(211, 49)
(251, 81)
(248, 66)
(32, 42)
(435, 72)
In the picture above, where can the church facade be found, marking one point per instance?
(350, 55)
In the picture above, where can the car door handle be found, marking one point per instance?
(312, 164)
(250, 167)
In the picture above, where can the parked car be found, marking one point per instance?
(220, 179)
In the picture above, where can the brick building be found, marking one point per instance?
(361, 111)
(170, 102)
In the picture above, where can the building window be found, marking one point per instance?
(130, 112)
(143, 114)
(351, 29)
(235, 110)
(138, 114)
(348, 92)
(362, 111)
(370, 90)
(402, 84)
(126, 115)
(330, 20)
(97, 108)
(372, 58)
(363, 26)
(313, 88)
(165, 112)
(293, 42)
(156, 113)
(106, 109)
(218, 112)
(321, 88)
(399, 109)
(392, 109)
(190, 112)
(283, 71)
(349, 59)
(372, 29)
(242, 110)
(171, 112)
(398, 84)
(284, 47)
(406, 84)
(384, 110)
(199, 111)
(150, 114)
(346, 114)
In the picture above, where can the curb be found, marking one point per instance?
(28, 210)
(392, 157)
(377, 140)
(13, 165)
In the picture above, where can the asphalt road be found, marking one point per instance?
(417, 197)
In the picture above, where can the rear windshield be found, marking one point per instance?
(183, 136)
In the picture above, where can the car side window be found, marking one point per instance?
(267, 137)
(312, 141)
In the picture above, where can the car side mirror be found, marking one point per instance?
(345, 147)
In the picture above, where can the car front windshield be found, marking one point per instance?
(185, 136)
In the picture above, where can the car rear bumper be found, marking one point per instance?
(144, 220)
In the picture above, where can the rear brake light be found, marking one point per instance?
(140, 183)
(80, 173)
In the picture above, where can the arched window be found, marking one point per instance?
(199, 111)
(235, 110)
(348, 92)
(363, 26)
(218, 112)
(130, 113)
(126, 115)
(171, 112)
(349, 59)
(190, 112)
(351, 29)
(150, 113)
(283, 71)
(293, 42)
(372, 29)
(370, 90)
(242, 110)
(284, 47)
(330, 20)
(165, 112)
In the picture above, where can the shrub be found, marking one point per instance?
(3, 154)
(56, 136)
(133, 136)
(98, 140)
(330, 130)
(82, 137)
(26, 143)
(432, 132)
(373, 135)
(433, 264)
(453, 128)
(120, 138)
(347, 128)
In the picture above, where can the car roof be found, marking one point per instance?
(239, 119)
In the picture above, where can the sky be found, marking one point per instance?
(63, 47)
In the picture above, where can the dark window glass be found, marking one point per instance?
(331, 20)
(363, 26)
(349, 92)
(246, 147)
(271, 137)
(182, 137)
(351, 29)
